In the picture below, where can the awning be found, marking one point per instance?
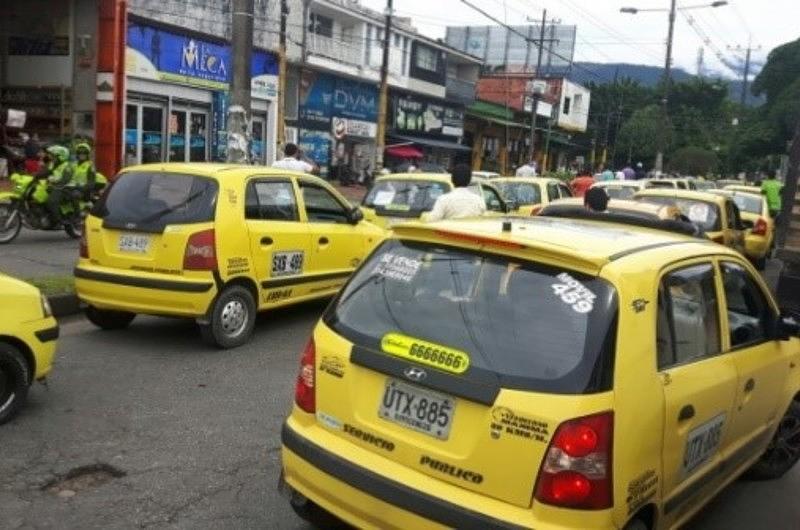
(404, 151)
(441, 144)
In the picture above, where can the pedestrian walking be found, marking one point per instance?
(582, 182)
(460, 202)
(293, 161)
(771, 188)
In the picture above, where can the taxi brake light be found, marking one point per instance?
(479, 240)
(760, 227)
(304, 392)
(536, 209)
(201, 253)
(576, 470)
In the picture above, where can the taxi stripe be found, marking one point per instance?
(295, 280)
(147, 283)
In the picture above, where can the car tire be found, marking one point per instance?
(15, 380)
(10, 234)
(783, 451)
(636, 524)
(231, 319)
(319, 518)
(108, 319)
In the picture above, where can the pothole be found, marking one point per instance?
(81, 479)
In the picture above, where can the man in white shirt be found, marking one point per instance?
(527, 170)
(459, 203)
(293, 161)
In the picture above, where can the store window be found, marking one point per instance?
(427, 59)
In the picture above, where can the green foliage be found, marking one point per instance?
(639, 135)
(782, 69)
(693, 160)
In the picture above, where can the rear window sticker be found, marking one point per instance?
(698, 212)
(287, 263)
(424, 352)
(399, 268)
(574, 293)
(397, 207)
(702, 443)
(384, 197)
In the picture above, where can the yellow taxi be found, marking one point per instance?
(28, 334)
(760, 226)
(672, 183)
(407, 196)
(528, 195)
(216, 243)
(640, 209)
(540, 373)
(716, 215)
(621, 189)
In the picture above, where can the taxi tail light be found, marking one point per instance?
(760, 227)
(576, 470)
(304, 391)
(536, 209)
(201, 252)
(83, 245)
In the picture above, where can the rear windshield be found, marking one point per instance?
(405, 195)
(150, 201)
(522, 193)
(749, 203)
(620, 192)
(704, 185)
(704, 214)
(660, 184)
(533, 326)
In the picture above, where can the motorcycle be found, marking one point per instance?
(26, 205)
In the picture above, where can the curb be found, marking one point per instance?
(64, 305)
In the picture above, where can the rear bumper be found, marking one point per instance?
(366, 498)
(144, 293)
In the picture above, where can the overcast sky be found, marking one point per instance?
(606, 35)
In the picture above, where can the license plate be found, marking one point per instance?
(134, 243)
(418, 409)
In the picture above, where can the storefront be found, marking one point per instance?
(500, 140)
(433, 126)
(337, 123)
(177, 96)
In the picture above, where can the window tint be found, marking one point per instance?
(706, 215)
(565, 191)
(322, 206)
(688, 318)
(522, 193)
(681, 185)
(150, 201)
(620, 192)
(271, 201)
(493, 201)
(535, 327)
(749, 312)
(405, 195)
(749, 203)
(552, 191)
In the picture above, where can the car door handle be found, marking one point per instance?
(323, 240)
(686, 413)
(266, 241)
(750, 385)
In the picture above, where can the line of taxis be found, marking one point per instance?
(515, 371)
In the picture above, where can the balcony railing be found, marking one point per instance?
(460, 90)
(351, 54)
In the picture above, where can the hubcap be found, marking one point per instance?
(234, 318)
(785, 447)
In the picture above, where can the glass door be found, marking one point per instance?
(198, 139)
(144, 133)
(178, 148)
(258, 151)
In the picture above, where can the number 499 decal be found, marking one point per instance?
(573, 292)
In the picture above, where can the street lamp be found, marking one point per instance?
(662, 132)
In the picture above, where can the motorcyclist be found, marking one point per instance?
(86, 176)
(60, 174)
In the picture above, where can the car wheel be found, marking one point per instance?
(314, 514)
(108, 319)
(232, 318)
(9, 231)
(783, 451)
(14, 381)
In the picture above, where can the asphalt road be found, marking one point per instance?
(34, 254)
(195, 432)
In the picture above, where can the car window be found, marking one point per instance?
(552, 191)
(706, 215)
(619, 192)
(565, 191)
(522, 193)
(409, 195)
(321, 205)
(688, 317)
(533, 326)
(733, 215)
(749, 203)
(749, 312)
(682, 185)
(493, 201)
(272, 201)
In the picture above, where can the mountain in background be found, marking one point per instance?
(583, 73)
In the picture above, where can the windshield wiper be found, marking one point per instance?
(165, 211)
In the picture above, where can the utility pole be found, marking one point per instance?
(281, 117)
(604, 156)
(239, 109)
(662, 131)
(534, 93)
(746, 77)
(383, 98)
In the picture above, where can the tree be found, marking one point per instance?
(781, 70)
(638, 136)
(693, 160)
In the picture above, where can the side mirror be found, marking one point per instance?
(355, 216)
(786, 327)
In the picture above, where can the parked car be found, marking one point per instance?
(28, 336)
(216, 243)
(621, 189)
(759, 238)
(531, 194)
(484, 175)
(541, 373)
(672, 183)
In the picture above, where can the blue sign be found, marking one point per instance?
(219, 123)
(323, 96)
(175, 57)
(316, 145)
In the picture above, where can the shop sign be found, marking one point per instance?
(316, 145)
(343, 127)
(155, 53)
(414, 115)
(323, 96)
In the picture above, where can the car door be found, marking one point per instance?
(699, 383)
(735, 231)
(337, 245)
(552, 192)
(493, 201)
(279, 241)
(749, 317)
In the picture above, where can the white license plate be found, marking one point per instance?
(418, 409)
(134, 243)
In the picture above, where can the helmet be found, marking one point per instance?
(58, 152)
(83, 147)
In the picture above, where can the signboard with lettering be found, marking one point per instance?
(323, 96)
(159, 54)
(413, 114)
